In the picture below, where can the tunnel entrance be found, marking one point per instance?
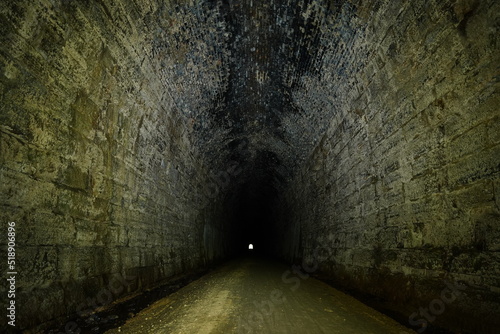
(253, 218)
(252, 200)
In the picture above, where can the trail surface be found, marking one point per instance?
(258, 296)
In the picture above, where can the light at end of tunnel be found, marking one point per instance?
(250, 246)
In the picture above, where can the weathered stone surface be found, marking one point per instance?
(98, 164)
(400, 194)
(143, 139)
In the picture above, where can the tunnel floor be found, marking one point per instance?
(254, 295)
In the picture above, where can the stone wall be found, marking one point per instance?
(401, 193)
(143, 139)
(98, 162)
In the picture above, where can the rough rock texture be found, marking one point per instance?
(98, 164)
(148, 138)
(401, 193)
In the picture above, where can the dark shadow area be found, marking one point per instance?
(116, 314)
(387, 307)
(253, 213)
(250, 204)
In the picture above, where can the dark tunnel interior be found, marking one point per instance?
(158, 139)
(254, 214)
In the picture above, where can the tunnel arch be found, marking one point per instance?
(165, 136)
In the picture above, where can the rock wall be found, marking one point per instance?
(144, 139)
(98, 163)
(401, 193)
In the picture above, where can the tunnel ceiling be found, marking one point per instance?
(249, 103)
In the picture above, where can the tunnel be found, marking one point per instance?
(145, 144)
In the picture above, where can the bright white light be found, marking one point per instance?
(250, 246)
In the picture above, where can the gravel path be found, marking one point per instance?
(258, 296)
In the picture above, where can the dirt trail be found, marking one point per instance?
(258, 296)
